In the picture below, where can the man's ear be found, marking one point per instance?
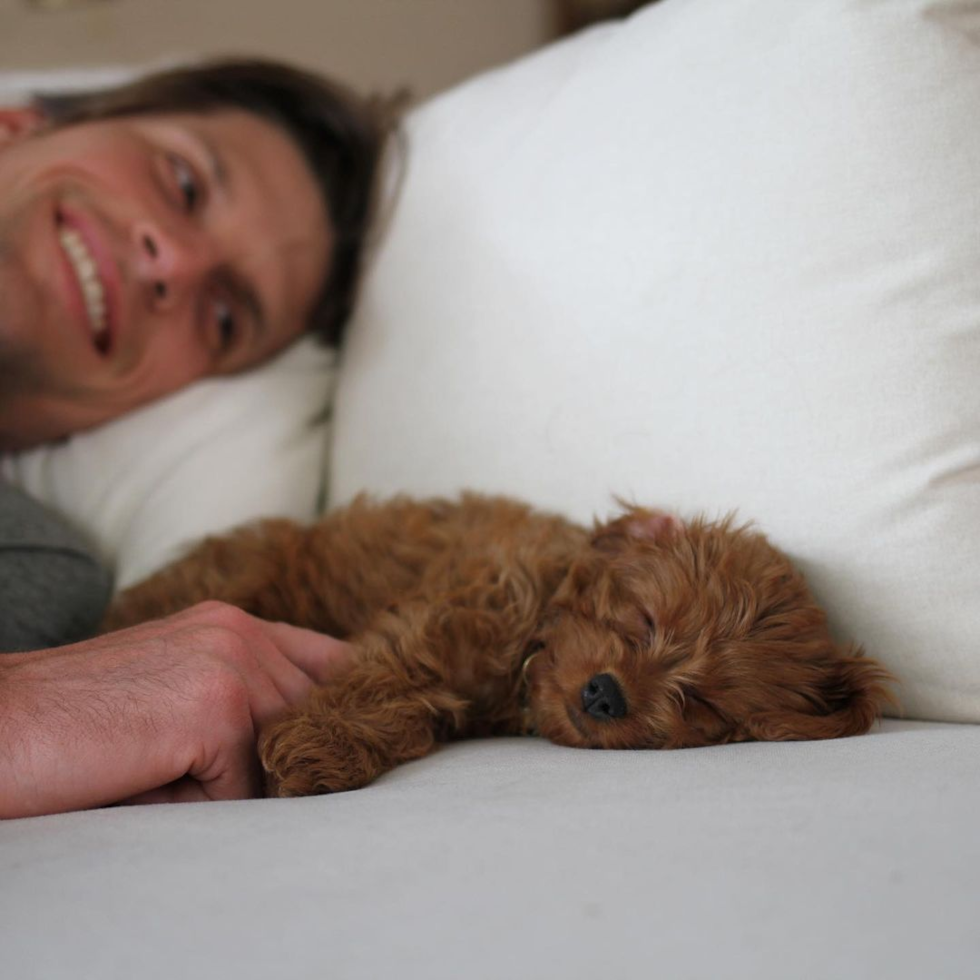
(15, 123)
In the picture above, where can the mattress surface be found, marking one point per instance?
(517, 858)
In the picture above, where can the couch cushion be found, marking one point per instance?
(717, 257)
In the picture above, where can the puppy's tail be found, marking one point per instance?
(852, 695)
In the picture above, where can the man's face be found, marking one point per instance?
(140, 253)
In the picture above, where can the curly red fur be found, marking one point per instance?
(483, 616)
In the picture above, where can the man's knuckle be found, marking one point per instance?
(224, 645)
(224, 614)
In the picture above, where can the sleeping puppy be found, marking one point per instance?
(483, 616)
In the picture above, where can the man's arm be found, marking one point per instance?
(169, 710)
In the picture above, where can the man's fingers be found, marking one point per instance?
(279, 673)
(240, 781)
(228, 769)
(319, 656)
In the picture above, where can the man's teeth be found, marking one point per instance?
(88, 278)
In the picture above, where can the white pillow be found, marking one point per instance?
(719, 256)
(220, 453)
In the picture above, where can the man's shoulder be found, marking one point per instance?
(53, 588)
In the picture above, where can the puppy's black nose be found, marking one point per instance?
(603, 698)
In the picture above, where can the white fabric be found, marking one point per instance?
(851, 859)
(222, 452)
(722, 256)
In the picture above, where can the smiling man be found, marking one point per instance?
(192, 223)
(140, 254)
(189, 224)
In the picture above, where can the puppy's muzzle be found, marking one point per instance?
(602, 698)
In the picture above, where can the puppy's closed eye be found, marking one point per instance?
(702, 716)
(638, 625)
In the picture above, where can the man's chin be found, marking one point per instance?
(21, 369)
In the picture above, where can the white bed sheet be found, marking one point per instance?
(514, 858)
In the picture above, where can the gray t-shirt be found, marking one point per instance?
(53, 589)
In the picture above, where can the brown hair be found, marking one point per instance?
(340, 134)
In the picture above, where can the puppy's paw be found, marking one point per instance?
(302, 757)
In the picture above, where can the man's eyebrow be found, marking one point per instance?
(215, 160)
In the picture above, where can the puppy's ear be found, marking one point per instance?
(846, 700)
(638, 524)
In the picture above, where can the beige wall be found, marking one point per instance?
(428, 44)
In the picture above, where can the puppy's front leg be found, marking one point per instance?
(386, 710)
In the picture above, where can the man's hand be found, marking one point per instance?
(165, 711)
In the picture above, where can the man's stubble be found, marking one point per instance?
(21, 369)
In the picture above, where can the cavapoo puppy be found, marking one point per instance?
(483, 616)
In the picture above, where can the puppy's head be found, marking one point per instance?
(665, 635)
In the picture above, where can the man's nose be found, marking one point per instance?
(169, 265)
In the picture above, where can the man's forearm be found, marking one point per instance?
(64, 743)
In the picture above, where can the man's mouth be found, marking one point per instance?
(89, 282)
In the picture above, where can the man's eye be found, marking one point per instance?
(227, 325)
(186, 181)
